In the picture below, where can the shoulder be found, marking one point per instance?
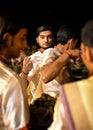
(52, 51)
(77, 86)
(38, 53)
(8, 77)
(49, 52)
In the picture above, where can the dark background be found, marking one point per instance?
(54, 13)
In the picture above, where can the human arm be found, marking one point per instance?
(27, 66)
(51, 70)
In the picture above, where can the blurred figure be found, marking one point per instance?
(14, 112)
(74, 106)
(54, 61)
(45, 39)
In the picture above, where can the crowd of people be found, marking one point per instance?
(45, 71)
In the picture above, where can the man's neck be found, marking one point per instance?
(4, 59)
(41, 50)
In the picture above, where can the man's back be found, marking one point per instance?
(74, 106)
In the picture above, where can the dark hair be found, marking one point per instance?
(65, 32)
(87, 33)
(44, 28)
(7, 24)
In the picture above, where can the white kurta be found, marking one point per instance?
(14, 110)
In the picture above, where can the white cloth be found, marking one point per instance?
(34, 75)
(58, 117)
(14, 109)
(39, 59)
(52, 87)
(74, 104)
(35, 59)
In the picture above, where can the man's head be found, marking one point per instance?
(67, 34)
(87, 34)
(87, 45)
(45, 36)
(12, 37)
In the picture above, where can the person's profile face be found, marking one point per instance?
(18, 42)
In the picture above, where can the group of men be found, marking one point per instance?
(47, 68)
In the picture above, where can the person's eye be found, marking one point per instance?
(42, 37)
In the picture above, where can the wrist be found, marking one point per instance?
(69, 54)
(25, 73)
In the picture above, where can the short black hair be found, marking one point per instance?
(44, 28)
(65, 32)
(87, 33)
(8, 24)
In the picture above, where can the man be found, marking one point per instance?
(53, 64)
(74, 106)
(44, 39)
(14, 110)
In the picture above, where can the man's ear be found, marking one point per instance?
(37, 40)
(6, 38)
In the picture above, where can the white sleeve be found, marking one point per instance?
(48, 56)
(15, 109)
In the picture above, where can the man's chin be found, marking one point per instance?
(46, 47)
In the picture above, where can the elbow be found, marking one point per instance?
(44, 78)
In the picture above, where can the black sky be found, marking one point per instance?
(55, 13)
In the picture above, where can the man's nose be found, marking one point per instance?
(46, 39)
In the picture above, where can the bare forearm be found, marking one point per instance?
(49, 72)
(23, 76)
